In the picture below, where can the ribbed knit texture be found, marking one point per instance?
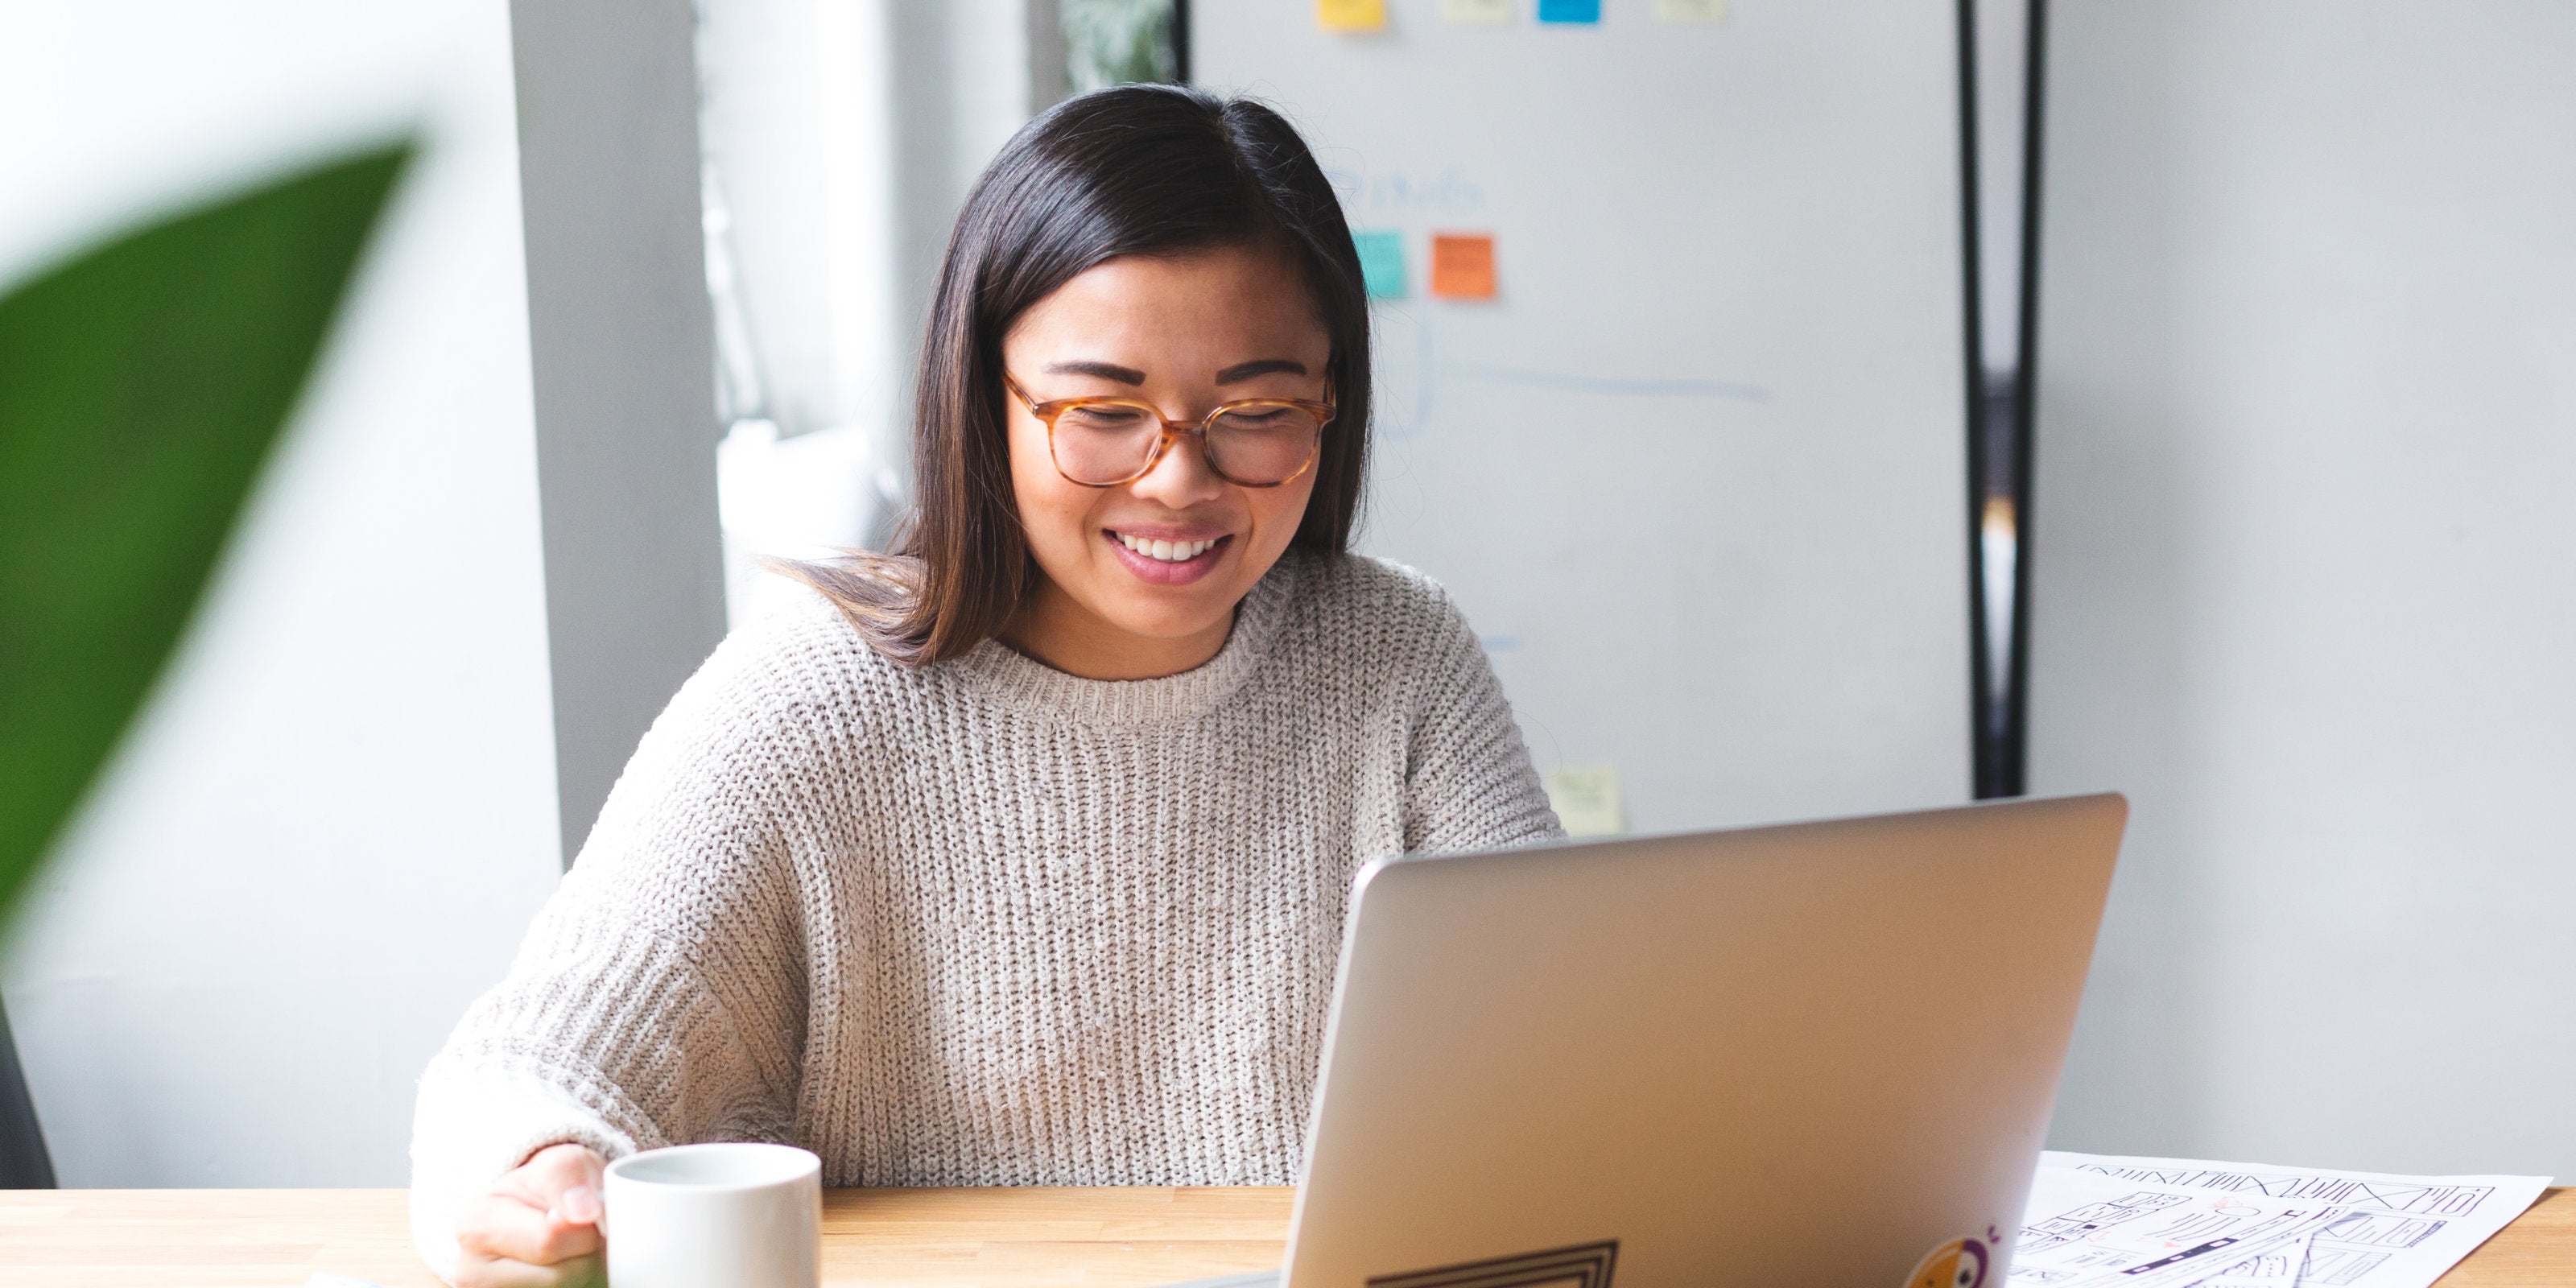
(983, 922)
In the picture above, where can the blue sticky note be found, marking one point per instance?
(1381, 261)
(1569, 10)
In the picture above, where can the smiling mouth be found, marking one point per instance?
(1162, 551)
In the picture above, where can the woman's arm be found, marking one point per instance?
(1469, 782)
(660, 996)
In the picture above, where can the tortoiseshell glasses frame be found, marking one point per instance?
(1258, 437)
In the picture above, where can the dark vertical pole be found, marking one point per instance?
(1980, 742)
(2016, 724)
(25, 1164)
(1181, 41)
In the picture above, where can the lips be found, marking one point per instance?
(1167, 558)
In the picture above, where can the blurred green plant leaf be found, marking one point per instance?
(142, 384)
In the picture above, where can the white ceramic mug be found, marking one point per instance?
(715, 1216)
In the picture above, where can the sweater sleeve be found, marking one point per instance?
(1469, 784)
(659, 997)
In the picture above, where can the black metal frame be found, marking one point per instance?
(2001, 721)
(25, 1164)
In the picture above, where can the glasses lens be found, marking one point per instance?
(1104, 442)
(1264, 442)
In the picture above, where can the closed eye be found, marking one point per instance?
(1102, 416)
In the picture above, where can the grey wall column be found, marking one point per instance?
(623, 365)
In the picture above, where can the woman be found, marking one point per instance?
(1021, 857)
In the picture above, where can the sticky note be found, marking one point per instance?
(1586, 800)
(1381, 261)
(1569, 10)
(1691, 10)
(1462, 265)
(1476, 13)
(1350, 15)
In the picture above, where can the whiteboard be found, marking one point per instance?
(1698, 473)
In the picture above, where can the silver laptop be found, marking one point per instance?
(1821, 1054)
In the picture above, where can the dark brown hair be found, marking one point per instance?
(1136, 170)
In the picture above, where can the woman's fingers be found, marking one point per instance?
(506, 1227)
(538, 1227)
(580, 1272)
(560, 1178)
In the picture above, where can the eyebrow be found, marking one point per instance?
(1104, 370)
(1247, 370)
(1235, 374)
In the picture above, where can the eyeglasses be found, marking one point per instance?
(1254, 442)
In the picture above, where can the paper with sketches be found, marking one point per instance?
(2095, 1221)
(1350, 15)
(1476, 13)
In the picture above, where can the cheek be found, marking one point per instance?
(1278, 511)
(1050, 508)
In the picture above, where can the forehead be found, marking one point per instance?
(1221, 302)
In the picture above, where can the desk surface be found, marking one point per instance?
(1100, 1238)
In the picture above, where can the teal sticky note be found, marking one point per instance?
(1569, 10)
(1381, 261)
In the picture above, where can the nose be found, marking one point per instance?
(1182, 478)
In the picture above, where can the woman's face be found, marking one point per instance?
(1184, 333)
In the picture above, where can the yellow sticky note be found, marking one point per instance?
(1586, 800)
(1476, 13)
(1350, 15)
(1691, 10)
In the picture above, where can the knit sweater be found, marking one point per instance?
(982, 922)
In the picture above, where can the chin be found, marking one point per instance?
(1167, 621)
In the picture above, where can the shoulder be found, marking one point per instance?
(793, 679)
(1376, 611)
(1365, 588)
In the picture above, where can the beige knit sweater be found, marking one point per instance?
(984, 923)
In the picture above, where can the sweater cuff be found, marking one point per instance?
(470, 1128)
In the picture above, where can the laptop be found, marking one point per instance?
(1820, 1054)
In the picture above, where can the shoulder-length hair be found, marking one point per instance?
(1136, 170)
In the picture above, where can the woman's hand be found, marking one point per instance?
(537, 1227)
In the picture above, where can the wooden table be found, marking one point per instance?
(878, 1238)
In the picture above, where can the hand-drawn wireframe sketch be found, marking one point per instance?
(2183, 1223)
(2070, 1226)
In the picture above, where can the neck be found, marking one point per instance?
(1055, 630)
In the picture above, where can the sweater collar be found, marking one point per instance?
(1006, 676)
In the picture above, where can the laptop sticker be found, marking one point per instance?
(1585, 1265)
(1960, 1263)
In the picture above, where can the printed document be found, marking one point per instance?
(2097, 1220)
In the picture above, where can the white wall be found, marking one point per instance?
(339, 813)
(2303, 547)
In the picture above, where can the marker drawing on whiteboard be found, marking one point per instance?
(1502, 375)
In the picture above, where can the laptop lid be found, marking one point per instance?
(1815, 1054)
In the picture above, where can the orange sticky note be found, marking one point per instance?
(1462, 265)
(1351, 15)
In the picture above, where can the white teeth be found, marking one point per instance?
(1166, 551)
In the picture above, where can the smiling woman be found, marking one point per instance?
(1147, 243)
(1019, 855)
